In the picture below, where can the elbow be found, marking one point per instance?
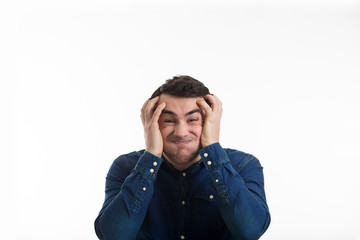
(97, 228)
(103, 230)
(110, 230)
(258, 229)
(255, 230)
(266, 223)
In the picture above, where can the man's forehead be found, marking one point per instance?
(179, 105)
(169, 99)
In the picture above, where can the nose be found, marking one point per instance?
(181, 130)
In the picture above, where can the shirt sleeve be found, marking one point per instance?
(127, 197)
(240, 194)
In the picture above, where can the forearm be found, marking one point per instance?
(126, 203)
(241, 199)
(244, 215)
(120, 220)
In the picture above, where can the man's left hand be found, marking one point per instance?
(212, 116)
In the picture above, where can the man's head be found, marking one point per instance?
(181, 121)
(182, 86)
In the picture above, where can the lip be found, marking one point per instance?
(182, 142)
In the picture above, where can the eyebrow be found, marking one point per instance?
(187, 114)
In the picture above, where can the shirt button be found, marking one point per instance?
(155, 164)
(182, 202)
(144, 189)
(211, 197)
(209, 163)
(216, 180)
(182, 237)
(206, 155)
(184, 174)
(152, 170)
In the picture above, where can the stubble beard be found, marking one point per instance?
(186, 158)
(182, 156)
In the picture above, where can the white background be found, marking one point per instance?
(74, 75)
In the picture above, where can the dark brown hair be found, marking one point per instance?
(182, 86)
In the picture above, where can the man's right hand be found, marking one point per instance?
(150, 118)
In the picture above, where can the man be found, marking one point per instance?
(184, 185)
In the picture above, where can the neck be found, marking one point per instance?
(182, 165)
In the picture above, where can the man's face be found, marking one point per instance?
(180, 126)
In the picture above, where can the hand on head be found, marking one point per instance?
(212, 114)
(150, 114)
(150, 118)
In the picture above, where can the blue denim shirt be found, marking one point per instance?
(220, 197)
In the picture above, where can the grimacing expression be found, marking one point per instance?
(180, 126)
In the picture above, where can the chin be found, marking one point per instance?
(184, 156)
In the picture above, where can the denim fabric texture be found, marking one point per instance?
(220, 197)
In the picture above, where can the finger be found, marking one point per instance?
(149, 108)
(145, 104)
(215, 102)
(158, 111)
(204, 106)
(142, 115)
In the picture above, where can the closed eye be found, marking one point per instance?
(193, 120)
(169, 121)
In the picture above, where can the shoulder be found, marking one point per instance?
(129, 160)
(241, 160)
(124, 164)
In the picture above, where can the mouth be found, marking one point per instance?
(182, 142)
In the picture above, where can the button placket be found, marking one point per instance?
(182, 205)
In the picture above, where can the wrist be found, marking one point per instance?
(154, 152)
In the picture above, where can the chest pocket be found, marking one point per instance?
(204, 201)
(205, 215)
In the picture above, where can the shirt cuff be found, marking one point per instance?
(214, 157)
(214, 153)
(148, 164)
